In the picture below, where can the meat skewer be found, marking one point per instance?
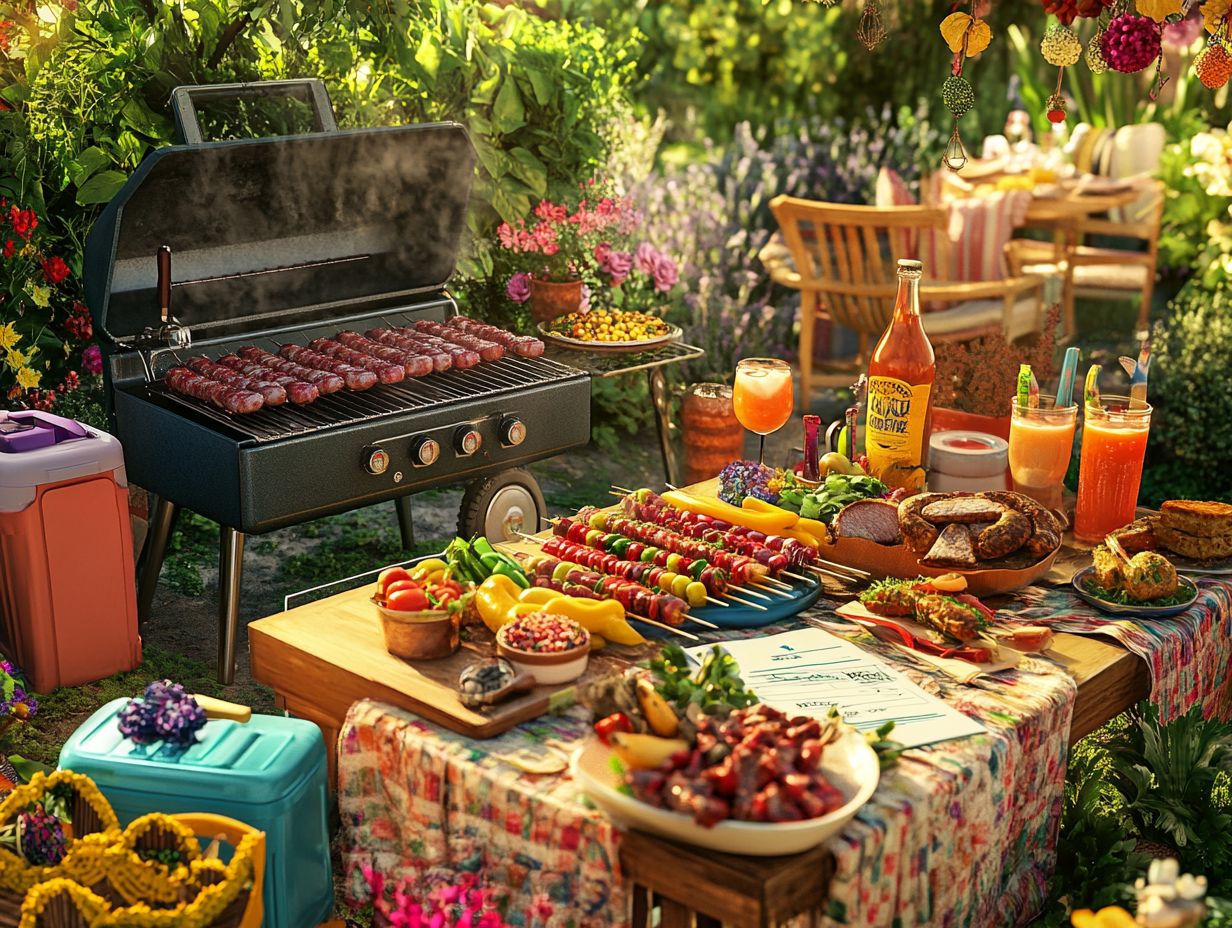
(667, 518)
(325, 382)
(636, 599)
(272, 394)
(415, 363)
(355, 378)
(487, 350)
(648, 573)
(441, 360)
(299, 392)
(386, 371)
(527, 346)
(582, 592)
(462, 357)
(224, 396)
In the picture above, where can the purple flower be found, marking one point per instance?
(646, 257)
(618, 264)
(666, 274)
(518, 288)
(584, 302)
(92, 360)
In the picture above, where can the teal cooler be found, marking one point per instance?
(268, 773)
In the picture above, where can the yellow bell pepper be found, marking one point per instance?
(495, 599)
(424, 570)
(814, 527)
(770, 520)
(538, 594)
(802, 536)
(604, 617)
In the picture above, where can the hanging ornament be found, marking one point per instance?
(871, 32)
(1068, 10)
(1159, 10)
(1130, 43)
(1213, 13)
(1213, 65)
(1056, 107)
(959, 27)
(1061, 46)
(1095, 54)
(957, 95)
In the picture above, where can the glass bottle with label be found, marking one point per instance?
(900, 390)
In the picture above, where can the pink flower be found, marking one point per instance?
(505, 234)
(584, 302)
(646, 257)
(602, 250)
(518, 288)
(666, 274)
(550, 211)
(618, 264)
(92, 360)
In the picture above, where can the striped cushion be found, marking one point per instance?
(979, 229)
(892, 190)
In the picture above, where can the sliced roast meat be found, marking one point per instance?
(874, 519)
(954, 547)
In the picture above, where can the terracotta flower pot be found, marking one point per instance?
(945, 420)
(551, 298)
(713, 436)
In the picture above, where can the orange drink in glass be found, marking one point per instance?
(1041, 442)
(762, 396)
(1113, 448)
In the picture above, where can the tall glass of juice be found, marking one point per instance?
(1041, 442)
(1113, 447)
(762, 396)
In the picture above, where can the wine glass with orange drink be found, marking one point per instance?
(762, 397)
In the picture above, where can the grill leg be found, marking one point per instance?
(659, 397)
(230, 570)
(402, 505)
(162, 523)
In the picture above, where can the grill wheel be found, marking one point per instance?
(502, 505)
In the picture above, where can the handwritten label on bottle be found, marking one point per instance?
(894, 439)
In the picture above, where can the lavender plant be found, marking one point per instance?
(166, 713)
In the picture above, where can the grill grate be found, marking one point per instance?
(511, 373)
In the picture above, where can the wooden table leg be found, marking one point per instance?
(641, 906)
(708, 921)
(673, 914)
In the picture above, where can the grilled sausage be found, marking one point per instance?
(462, 357)
(355, 378)
(225, 397)
(272, 393)
(299, 392)
(487, 350)
(527, 346)
(415, 363)
(441, 360)
(325, 382)
(386, 371)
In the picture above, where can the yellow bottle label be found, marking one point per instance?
(894, 435)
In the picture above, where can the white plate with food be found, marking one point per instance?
(671, 334)
(1116, 602)
(849, 763)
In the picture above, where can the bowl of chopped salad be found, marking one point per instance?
(552, 648)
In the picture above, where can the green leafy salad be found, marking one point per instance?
(1183, 594)
(823, 502)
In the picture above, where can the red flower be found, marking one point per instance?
(5, 38)
(10, 249)
(55, 271)
(24, 221)
(80, 327)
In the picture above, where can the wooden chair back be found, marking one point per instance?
(848, 254)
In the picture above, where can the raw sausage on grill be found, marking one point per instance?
(415, 363)
(273, 394)
(225, 397)
(487, 351)
(325, 381)
(526, 346)
(386, 371)
(355, 378)
(299, 392)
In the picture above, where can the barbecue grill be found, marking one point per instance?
(279, 241)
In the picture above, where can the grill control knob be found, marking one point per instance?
(466, 441)
(425, 451)
(512, 431)
(375, 460)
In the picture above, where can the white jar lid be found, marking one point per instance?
(968, 454)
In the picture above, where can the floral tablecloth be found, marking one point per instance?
(960, 833)
(1189, 655)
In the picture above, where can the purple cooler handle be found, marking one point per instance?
(46, 429)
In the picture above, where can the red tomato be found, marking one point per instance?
(451, 585)
(401, 585)
(408, 600)
(443, 595)
(388, 576)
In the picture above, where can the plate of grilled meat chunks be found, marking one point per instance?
(1196, 535)
(999, 540)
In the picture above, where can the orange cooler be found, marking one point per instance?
(67, 595)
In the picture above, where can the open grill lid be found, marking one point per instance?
(263, 228)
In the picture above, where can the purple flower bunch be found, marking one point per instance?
(17, 703)
(40, 836)
(166, 713)
(450, 902)
(1131, 42)
(740, 479)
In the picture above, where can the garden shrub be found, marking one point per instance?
(1190, 444)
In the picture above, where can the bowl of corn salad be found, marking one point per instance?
(610, 329)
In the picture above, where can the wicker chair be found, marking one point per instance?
(843, 263)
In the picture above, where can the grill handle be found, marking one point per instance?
(185, 100)
(164, 282)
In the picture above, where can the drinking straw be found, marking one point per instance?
(1069, 370)
(1090, 391)
(1028, 388)
(1137, 381)
(853, 413)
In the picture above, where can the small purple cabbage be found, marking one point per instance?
(166, 713)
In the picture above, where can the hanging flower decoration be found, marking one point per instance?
(1213, 64)
(871, 32)
(1095, 54)
(1060, 47)
(1159, 10)
(1214, 12)
(1131, 43)
(965, 35)
(1066, 11)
